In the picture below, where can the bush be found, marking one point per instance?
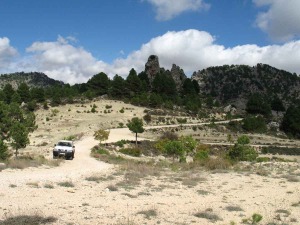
(135, 152)
(147, 118)
(254, 124)
(241, 151)
(102, 151)
(181, 120)
(280, 150)
(201, 156)
(4, 154)
(121, 143)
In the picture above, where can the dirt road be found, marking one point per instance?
(82, 165)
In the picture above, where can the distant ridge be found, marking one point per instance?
(32, 79)
(235, 83)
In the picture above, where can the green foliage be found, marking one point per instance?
(24, 93)
(181, 120)
(135, 152)
(70, 138)
(19, 136)
(8, 92)
(136, 126)
(175, 148)
(118, 87)
(241, 151)
(15, 125)
(189, 143)
(101, 135)
(99, 84)
(258, 104)
(277, 105)
(121, 143)
(133, 83)
(201, 156)
(101, 151)
(254, 124)
(291, 121)
(164, 85)
(243, 140)
(4, 154)
(280, 150)
(147, 118)
(172, 146)
(155, 100)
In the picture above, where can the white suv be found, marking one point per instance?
(64, 148)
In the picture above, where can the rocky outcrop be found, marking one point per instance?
(234, 84)
(33, 79)
(152, 67)
(178, 76)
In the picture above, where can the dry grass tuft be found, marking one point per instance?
(31, 161)
(28, 219)
(148, 213)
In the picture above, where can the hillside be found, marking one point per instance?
(234, 84)
(32, 79)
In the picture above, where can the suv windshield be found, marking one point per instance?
(64, 144)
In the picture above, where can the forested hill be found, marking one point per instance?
(238, 82)
(33, 79)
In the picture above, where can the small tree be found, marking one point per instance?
(19, 135)
(189, 143)
(136, 126)
(101, 135)
(175, 148)
(242, 151)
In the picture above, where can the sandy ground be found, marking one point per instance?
(100, 194)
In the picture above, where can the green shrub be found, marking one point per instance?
(147, 118)
(241, 151)
(280, 150)
(135, 152)
(102, 151)
(254, 124)
(108, 106)
(4, 154)
(93, 110)
(181, 120)
(70, 138)
(201, 155)
(122, 110)
(263, 159)
(121, 143)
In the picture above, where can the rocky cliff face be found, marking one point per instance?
(178, 76)
(33, 79)
(236, 82)
(152, 67)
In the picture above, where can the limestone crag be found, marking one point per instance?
(152, 67)
(178, 76)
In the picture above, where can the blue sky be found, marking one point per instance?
(71, 40)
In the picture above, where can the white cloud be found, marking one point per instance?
(63, 61)
(281, 20)
(168, 9)
(192, 50)
(7, 52)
